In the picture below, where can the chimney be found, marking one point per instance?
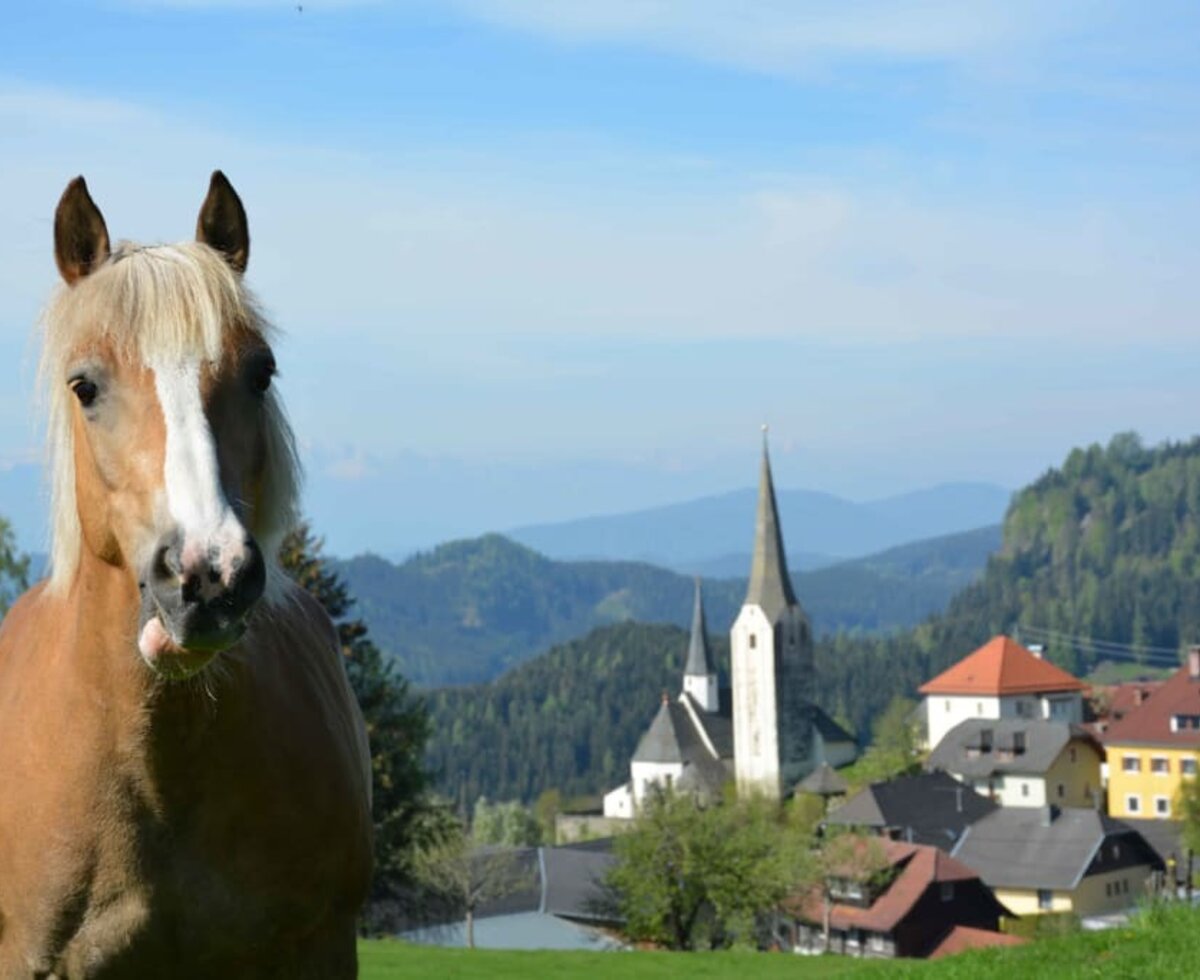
(1193, 662)
(1139, 695)
(1037, 649)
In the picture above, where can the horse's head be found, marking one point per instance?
(172, 459)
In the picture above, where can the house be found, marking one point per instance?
(1019, 762)
(930, 808)
(1002, 679)
(910, 909)
(1051, 860)
(1109, 703)
(1156, 746)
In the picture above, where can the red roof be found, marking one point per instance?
(1150, 723)
(961, 938)
(919, 866)
(1002, 666)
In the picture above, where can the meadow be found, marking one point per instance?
(1161, 942)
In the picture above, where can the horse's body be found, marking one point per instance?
(184, 782)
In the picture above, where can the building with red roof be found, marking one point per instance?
(909, 910)
(1002, 679)
(1155, 746)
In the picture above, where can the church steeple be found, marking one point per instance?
(770, 585)
(700, 675)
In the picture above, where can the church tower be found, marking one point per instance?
(772, 665)
(700, 674)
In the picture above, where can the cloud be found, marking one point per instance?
(783, 36)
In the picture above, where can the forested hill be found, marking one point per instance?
(1105, 547)
(469, 610)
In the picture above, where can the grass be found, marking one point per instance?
(1162, 942)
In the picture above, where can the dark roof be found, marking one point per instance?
(917, 867)
(1150, 723)
(931, 808)
(574, 882)
(830, 730)
(962, 749)
(699, 662)
(824, 781)
(718, 726)
(1165, 836)
(1044, 847)
(671, 737)
(770, 586)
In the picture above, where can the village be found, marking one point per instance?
(1040, 797)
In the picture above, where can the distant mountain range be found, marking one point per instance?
(711, 536)
(467, 611)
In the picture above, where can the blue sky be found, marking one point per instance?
(931, 241)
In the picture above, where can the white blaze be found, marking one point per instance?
(191, 473)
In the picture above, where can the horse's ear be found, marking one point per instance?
(80, 235)
(222, 223)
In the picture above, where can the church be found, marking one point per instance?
(766, 733)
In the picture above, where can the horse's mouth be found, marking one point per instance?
(179, 657)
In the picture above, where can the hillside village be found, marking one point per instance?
(1038, 795)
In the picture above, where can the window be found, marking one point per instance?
(1072, 753)
(1024, 789)
(1125, 885)
(1045, 899)
(878, 942)
(979, 708)
(1187, 767)
(1133, 804)
(1108, 887)
(1131, 763)
(1181, 723)
(985, 740)
(1160, 765)
(753, 641)
(947, 704)
(1162, 806)
(1062, 791)
(1018, 743)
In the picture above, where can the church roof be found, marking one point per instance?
(1002, 666)
(717, 725)
(671, 737)
(824, 781)
(770, 587)
(699, 661)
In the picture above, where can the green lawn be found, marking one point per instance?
(1162, 944)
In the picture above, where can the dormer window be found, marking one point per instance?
(985, 740)
(1183, 723)
(1019, 744)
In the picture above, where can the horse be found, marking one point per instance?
(184, 771)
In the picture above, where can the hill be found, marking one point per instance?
(712, 535)
(1104, 551)
(469, 610)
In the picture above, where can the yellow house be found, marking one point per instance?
(1050, 860)
(1153, 748)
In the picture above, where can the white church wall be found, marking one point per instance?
(618, 803)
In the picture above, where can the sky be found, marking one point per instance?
(574, 254)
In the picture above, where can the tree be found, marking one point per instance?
(686, 876)
(505, 824)
(459, 875)
(396, 720)
(14, 568)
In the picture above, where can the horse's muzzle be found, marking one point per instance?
(192, 612)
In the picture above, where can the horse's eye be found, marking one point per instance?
(261, 375)
(85, 391)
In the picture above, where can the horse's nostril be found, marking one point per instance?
(191, 588)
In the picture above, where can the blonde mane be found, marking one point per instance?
(152, 304)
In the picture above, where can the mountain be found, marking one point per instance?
(712, 535)
(1100, 559)
(469, 610)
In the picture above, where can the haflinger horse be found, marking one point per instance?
(184, 773)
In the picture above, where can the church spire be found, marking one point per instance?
(770, 586)
(699, 662)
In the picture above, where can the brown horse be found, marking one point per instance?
(184, 774)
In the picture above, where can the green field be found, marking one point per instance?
(1162, 944)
